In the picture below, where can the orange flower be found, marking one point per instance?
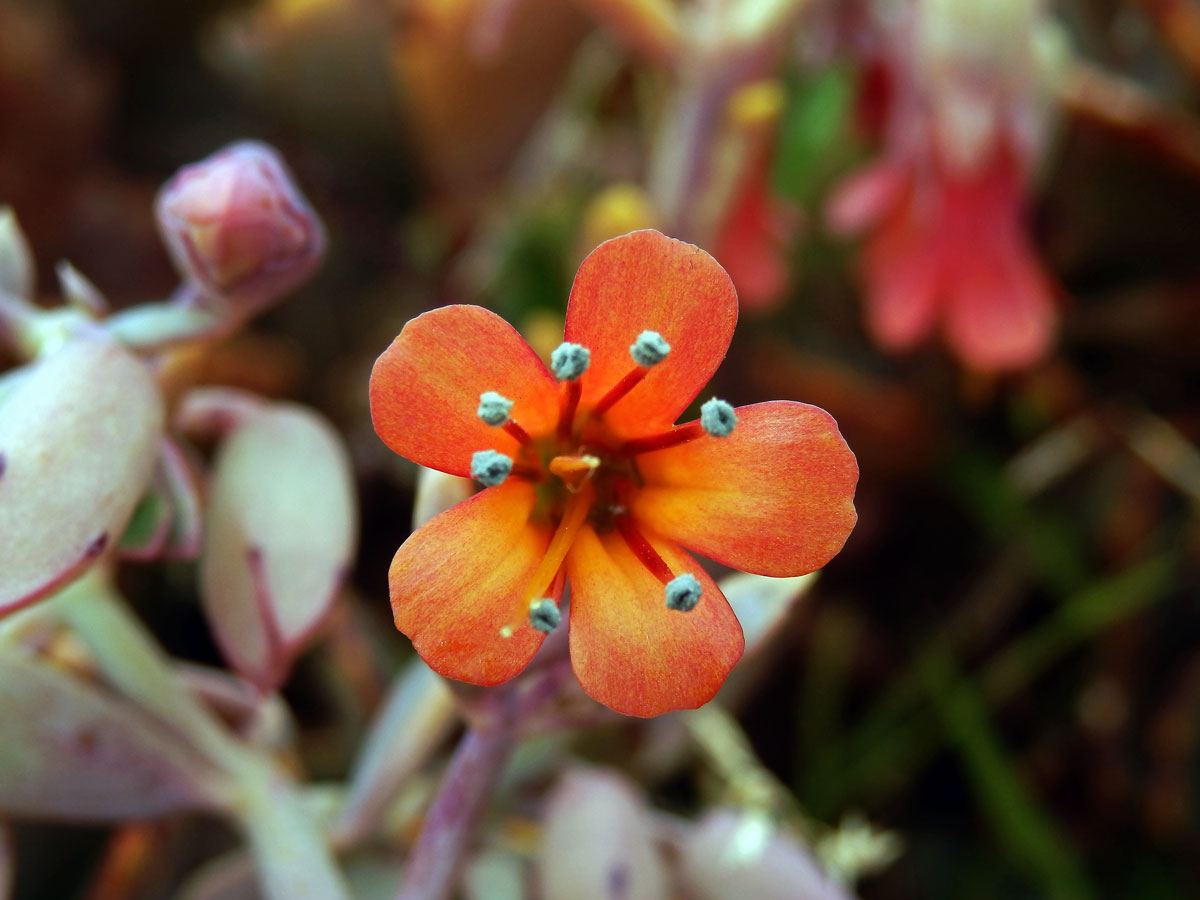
(588, 481)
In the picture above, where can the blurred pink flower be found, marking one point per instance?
(238, 228)
(964, 124)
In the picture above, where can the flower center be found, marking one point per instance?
(586, 475)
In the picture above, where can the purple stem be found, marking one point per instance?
(435, 862)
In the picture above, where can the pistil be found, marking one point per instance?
(572, 520)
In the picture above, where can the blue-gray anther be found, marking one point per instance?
(493, 408)
(717, 418)
(683, 592)
(490, 468)
(544, 615)
(569, 361)
(649, 349)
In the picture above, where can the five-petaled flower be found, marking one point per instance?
(588, 481)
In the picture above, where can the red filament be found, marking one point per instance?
(642, 549)
(673, 438)
(619, 390)
(566, 412)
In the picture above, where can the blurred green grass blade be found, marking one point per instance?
(1030, 837)
(896, 735)
(812, 130)
(1086, 613)
(1054, 543)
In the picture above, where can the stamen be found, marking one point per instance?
(490, 468)
(649, 349)
(544, 615)
(566, 411)
(643, 550)
(564, 536)
(569, 361)
(718, 418)
(493, 408)
(619, 390)
(683, 593)
(518, 432)
(680, 434)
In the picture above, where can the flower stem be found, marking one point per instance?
(436, 860)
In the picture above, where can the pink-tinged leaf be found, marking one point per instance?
(181, 482)
(738, 854)
(78, 440)
(73, 752)
(280, 535)
(597, 842)
(148, 528)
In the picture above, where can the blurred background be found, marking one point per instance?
(1002, 667)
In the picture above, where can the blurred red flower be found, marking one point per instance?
(965, 120)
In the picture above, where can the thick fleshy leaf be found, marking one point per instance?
(776, 497)
(78, 439)
(732, 855)
(631, 652)
(458, 585)
(494, 875)
(436, 492)
(648, 281)
(75, 753)
(597, 842)
(762, 604)
(425, 387)
(279, 538)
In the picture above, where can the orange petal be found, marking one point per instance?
(425, 387)
(647, 281)
(457, 585)
(776, 497)
(628, 650)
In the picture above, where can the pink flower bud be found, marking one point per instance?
(238, 228)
